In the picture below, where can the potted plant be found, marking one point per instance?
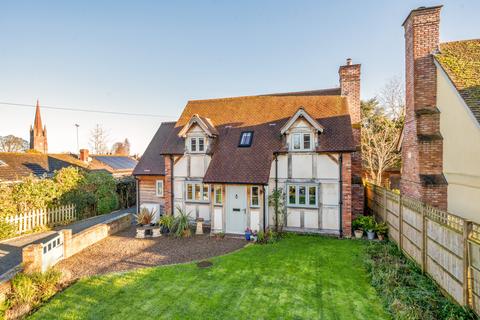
(357, 226)
(166, 223)
(144, 222)
(369, 225)
(382, 230)
(254, 236)
(248, 233)
(181, 224)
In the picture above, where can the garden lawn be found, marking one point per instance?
(299, 277)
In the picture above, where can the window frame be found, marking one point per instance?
(197, 144)
(201, 193)
(297, 187)
(302, 141)
(252, 205)
(217, 190)
(156, 188)
(250, 142)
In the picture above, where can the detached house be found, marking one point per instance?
(441, 137)
(223, 158)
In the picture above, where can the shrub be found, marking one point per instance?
(167, 221)
(366, 223)
(269, 236)
(382, 229)
(23, 290)
(408, 294)
(6, 230)
(181, 224)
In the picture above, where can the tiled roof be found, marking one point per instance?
(151, 162)
(461, 61)
(265, 116)
(112, 163)
(21, 165)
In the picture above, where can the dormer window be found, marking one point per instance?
(301, 141)
(197, 144)
(246, 139)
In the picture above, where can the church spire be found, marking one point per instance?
(38, 135)
(37, 124)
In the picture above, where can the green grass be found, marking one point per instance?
(300, 277)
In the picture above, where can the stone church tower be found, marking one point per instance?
(38, 135)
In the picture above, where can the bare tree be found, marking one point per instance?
(121, 148)
(99, 140)
(392, 98)
(12, 143)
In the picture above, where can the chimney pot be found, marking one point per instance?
(84, 155)
(349, 61)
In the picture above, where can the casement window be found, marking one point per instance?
(197, 144)
(246, 139)
(302, 195)
(301, 141)
(159, 188)
(197, 191)
(254, 196)
(218, 195)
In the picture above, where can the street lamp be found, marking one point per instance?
(78, 147)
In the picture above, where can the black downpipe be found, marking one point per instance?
(276, 192)
(137, 187)
(171, 184)
(340, 202)
(264, 207)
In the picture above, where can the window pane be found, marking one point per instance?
(160, 188)
(189, 191)
(198, 195)
(291, 195)
(306, 141)
(200, 144)
(218, 195)
(296, 141)
(302, 195)
(193, 144)
(255, 196)
(312, 196)
(205, 192)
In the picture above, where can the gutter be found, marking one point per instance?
(264, 207)
(137, 185)
(276, 190)
(171, 184)
(340, 191)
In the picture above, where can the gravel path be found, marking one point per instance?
(123, 251)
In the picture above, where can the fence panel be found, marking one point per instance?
(28, 221)
(446, 246)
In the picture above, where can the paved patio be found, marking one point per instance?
(122, 251)
(11, 250)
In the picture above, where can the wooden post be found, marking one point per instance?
(467, 285)
(400, 223)
(425, 240)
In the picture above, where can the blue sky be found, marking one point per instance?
(152, 57)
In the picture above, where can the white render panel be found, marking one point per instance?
(282, 167)
(255, 220)
(302, 166)
(178, 189)
(190, 209)
(311, 219)
(293, 218)
(180, 168)
(329, 193)
(198, 166)
(204, 212)
(218, 222)
(326, 167)
(330, 218)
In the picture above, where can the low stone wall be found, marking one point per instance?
(78, 242)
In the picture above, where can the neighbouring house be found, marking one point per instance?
(222, 159)
(117, 165)
(441, 137)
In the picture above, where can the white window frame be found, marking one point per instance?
(217, 190)
(307, 195)
(159, 194)
(302, 141)
(197, 144)
(202, 192)
(251, 197)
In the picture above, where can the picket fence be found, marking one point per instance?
(445, 246)
(28, 221)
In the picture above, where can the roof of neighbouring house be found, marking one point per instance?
(461, 62)
(114, 164)
(265, 116)
(16, 166)
(152, 162)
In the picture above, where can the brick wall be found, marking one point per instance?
(347, 195)
(350, 87)
(168, 186)
(422, 145)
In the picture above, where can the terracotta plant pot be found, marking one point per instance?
(381, 237)
(358, 234)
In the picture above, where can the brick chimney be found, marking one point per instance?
(84, 155)
(422, 145)
(350, 88)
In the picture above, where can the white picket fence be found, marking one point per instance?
(28, 221)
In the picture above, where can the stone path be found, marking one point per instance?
(11, 250)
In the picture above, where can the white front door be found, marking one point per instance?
(236, 209)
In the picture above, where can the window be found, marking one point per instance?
(254, 197)
(246, 139)
(159, 188)
(197, 144)
(301, 141)
(302, 195)
(218, 194)
(197, 191)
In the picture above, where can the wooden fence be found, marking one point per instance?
(28, 221)
(445, 246)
